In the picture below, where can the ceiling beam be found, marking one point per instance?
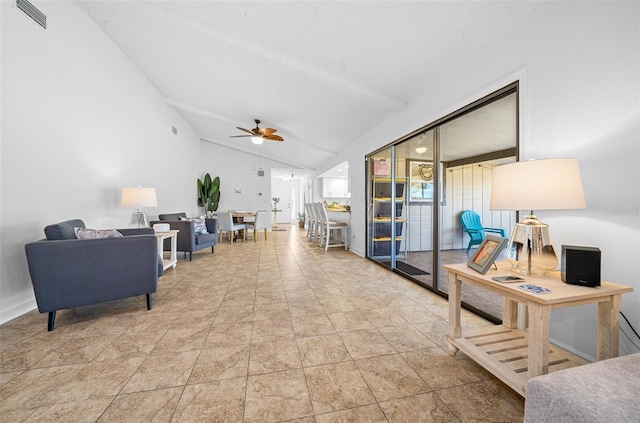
(311, 73)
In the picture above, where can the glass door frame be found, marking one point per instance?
(436, 126)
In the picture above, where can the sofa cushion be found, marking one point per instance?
(200, 227)
(84, 233)
(205, 238)
(63, 230)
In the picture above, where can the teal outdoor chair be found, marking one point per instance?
(473, 226)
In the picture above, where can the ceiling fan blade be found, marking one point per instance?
(267, 131)
(246, 130)
(273, 138)
(240, 136)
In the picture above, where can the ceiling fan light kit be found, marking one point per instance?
(258, 135)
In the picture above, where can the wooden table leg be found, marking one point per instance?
(510, 314)
(538, 362)
(454, 330)
(174, 250)
(608, 327)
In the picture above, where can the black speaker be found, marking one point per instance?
(580, 265)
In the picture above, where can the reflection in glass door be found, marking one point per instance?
(386, 208)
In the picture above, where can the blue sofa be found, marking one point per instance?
(67, 272)
(188, 240)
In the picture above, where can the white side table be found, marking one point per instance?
(173, 257)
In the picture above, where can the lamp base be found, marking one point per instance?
(138, 220)
(530, 249)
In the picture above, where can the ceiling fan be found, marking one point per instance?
(258, 134)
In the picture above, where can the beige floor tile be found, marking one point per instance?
(365, 414)
(77, 411)
(182, 339)
(322, 349)
(272, 330)
(155, 406)
(439, 368)
(488, 400)
(406, 338)
(391, 377)
(226, 334)
(312, 324)
(349, 321)
(221, 401)
(418, 408)
(234, 315)
(366, 343)
(277, 397)
(221, 363)
(274, 356)
(336, 387)
(162, 371)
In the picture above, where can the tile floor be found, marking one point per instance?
(271, 331)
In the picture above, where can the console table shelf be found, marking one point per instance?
(513, 355)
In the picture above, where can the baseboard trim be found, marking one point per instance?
(17, 310)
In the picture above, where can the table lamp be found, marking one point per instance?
(550, 184)
(139, 197)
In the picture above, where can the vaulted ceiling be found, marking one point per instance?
(321, 73)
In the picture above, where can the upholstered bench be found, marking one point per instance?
(604, 391)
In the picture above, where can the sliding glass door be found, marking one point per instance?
(419, 185)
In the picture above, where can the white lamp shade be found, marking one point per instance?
(139, 197)
(549, 184)
(256, 139)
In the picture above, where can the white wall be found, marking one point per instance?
(239, 170)
(79, 122)
(578, 67)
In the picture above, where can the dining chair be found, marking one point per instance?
(262, 221)
(330, 227)
(319, 225)
(226, 225)
(311, 220)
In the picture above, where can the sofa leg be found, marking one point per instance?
(52, 321)
(149, 303)
(189, 255)
(212, 249)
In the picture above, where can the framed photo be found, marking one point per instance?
(421, 177)
(487, 253)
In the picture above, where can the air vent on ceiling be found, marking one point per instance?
(32, 12)
(261, 172)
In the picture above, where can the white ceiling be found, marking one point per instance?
(321, 73)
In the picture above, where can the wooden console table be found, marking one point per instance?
(513, 355)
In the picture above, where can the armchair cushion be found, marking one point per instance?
(200, 227)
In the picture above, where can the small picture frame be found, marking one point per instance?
(486, 253)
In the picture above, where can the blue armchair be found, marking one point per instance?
(472, 225)
(188, 240)
(67, 272)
